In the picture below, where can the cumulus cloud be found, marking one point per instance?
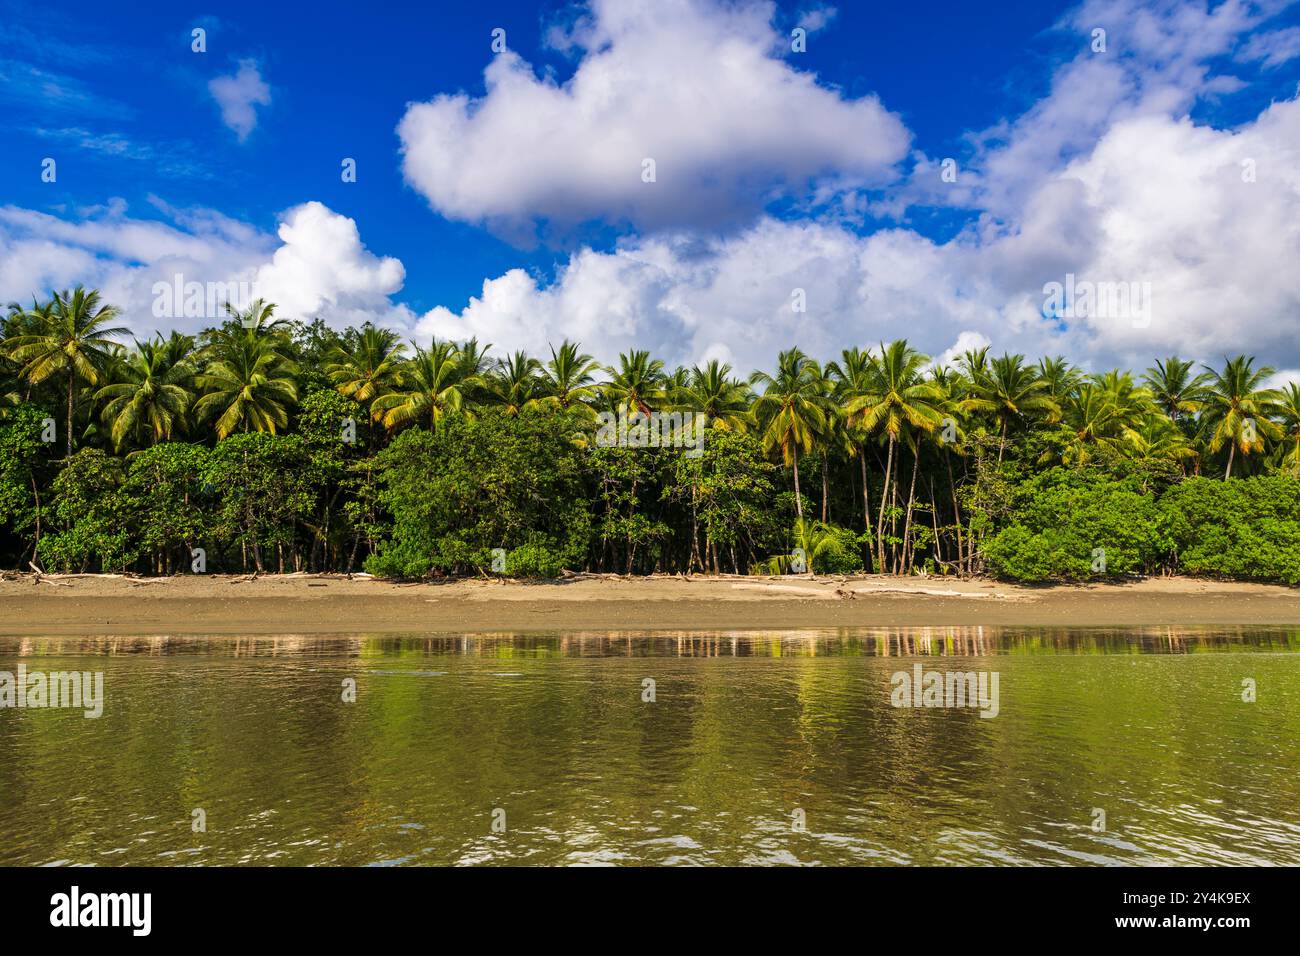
(1106, 180)
(316, 265)
(238, 94)
(1210, 219)
(322, 265)
(702, 89)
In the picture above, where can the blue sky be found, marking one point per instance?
(342, 76)
(1010, 91)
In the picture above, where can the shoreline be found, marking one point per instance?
(58, 605)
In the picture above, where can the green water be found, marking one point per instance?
(758, 748)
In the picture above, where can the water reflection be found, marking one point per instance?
(946, 641)
(746, 730)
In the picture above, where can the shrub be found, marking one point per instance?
(1245, 528)
(1062, 521)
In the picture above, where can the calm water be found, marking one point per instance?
(749, 733)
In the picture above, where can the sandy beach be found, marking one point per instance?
(215, 604)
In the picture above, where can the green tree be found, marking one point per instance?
(568, 380)
(791, 411)
(1012, 393)
(428, 387)
(364, 366)
(248, 386)
(1237, 408)
(72, 338)
(154, 395)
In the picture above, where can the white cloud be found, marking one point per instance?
(1106, 179)
(322, 266)
(315, 267)
(1272, 49)
(238, 94)
(1157, 200)
(700, 88)
(816, 19)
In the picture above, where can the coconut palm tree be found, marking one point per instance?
(428, 386)
(1060, 378)
(1237, 410)
(1156, 438)
(475, 364)
(791, 412)
(901, 404)
(568, 378)
(248, 385)
(721, 399)
(1174, 387)
(515, 383)
(1011, 392)
(1288, 407)
(258, 317)
(854, 377)
(638, 382)
(1092, 420)
(153, 395)
(70, 337)
(1133, 403)
(364, 366)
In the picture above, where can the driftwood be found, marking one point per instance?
(42, 578)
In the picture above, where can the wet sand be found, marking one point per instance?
(279, 604)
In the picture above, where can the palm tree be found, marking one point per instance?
(567, 379)
(258, 318)
(1093, 421)
(791, 411)
(1010, 391)
(248, 386)
(1060, 378)
(639, 382)
(902, 404)
(1133, 403)
(854, 377)
(1288, 408)
(1156, 438)
(474, 368)
(1174, 388)
(154, 395)
(364, 368)
(1237, 410)
(515, 385)
(71, 336)
(721, 399)
(429, 385)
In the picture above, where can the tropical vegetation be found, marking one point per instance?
(265, 444)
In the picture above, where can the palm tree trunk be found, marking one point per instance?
(798, 501)
(71, 381)
(1232, 450)
(1002, 442)
(826, 489)
(934, 524)
(906, 558)
(880, 520)
(866, 495)
(695, 531)
(36, 494)
(956, 512)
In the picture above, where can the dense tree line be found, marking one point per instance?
(275, 445)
